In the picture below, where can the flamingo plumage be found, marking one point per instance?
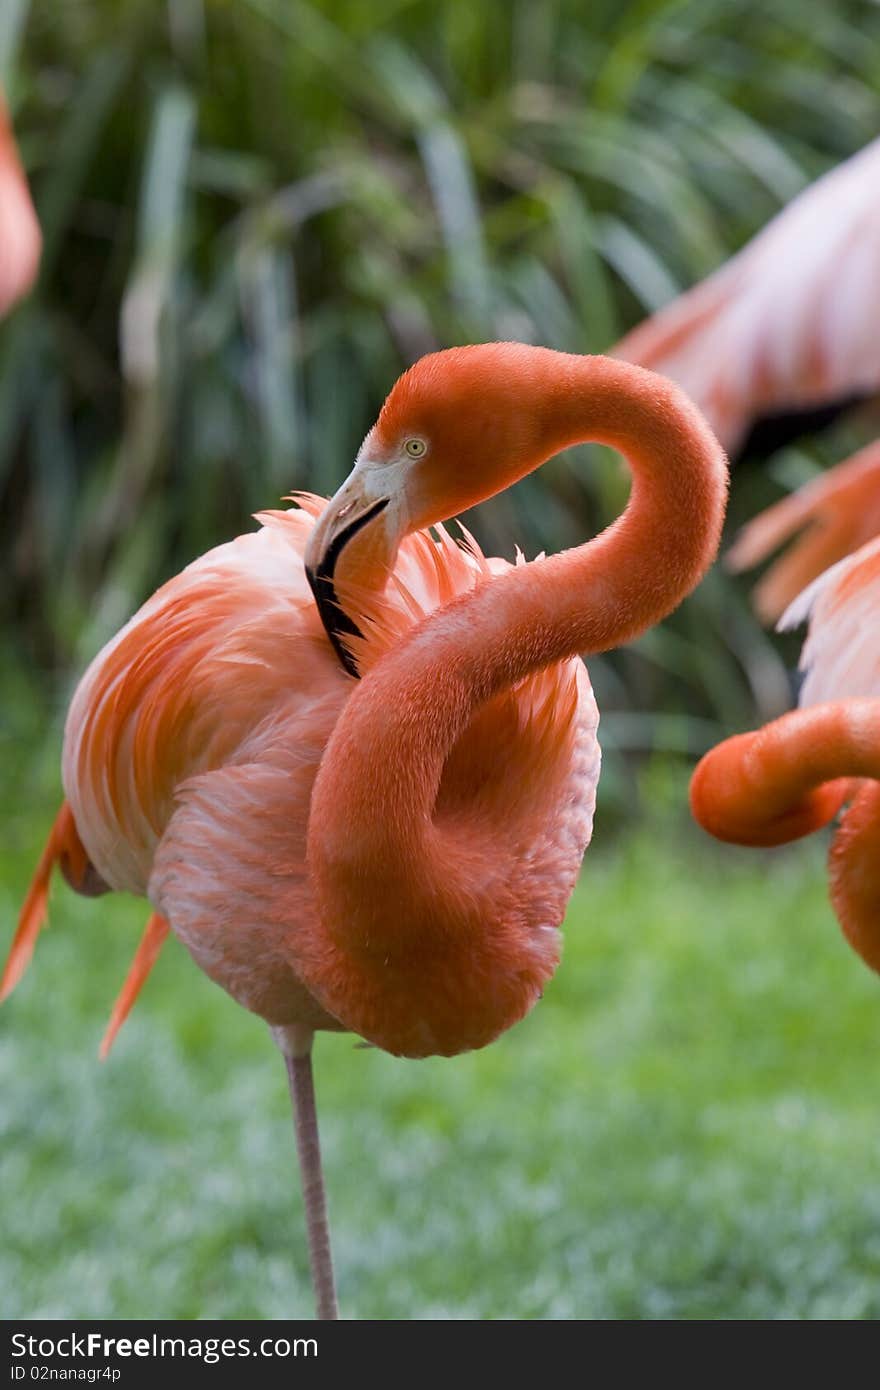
(797, 773)
(390, 855)
(20, 237)
(827, 519)
(788, 325)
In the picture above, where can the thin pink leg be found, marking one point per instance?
(305, 1117)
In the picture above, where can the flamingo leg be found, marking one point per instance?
(296, 1044)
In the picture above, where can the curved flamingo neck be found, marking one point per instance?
(789, 778)
(792, 777)
(391, 883)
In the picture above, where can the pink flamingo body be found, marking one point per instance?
(391, 855)
(218, 700)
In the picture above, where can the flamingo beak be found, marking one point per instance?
(351, 513)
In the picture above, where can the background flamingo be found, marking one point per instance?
(795, 774)
(392, 857)
(20, 239)
(831, 516)
(789, 324)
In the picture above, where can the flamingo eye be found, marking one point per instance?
(416, 448)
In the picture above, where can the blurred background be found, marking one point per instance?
(255, 214)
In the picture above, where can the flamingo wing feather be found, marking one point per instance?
(830, 517)
(789, 322)
(841, 608)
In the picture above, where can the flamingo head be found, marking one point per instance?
(458, 427)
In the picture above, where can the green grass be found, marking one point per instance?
(686, 1127)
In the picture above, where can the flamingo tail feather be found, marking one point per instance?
(63, 842)
(145, 958)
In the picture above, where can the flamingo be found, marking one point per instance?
(20, 239)
(794, 775)
(789, 324)
(830, 516)
(375, 824)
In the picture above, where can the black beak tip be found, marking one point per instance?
(321, 582)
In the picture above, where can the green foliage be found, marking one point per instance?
(685, 1127)
(258, 211)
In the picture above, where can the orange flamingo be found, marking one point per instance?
(831, 516)
(394, 855)
(789, 324)
(794, 775)
(20, 239)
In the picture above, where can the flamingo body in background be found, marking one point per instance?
(795, 774)
(830, 517)
(789, 324)
(20, 239)
(391, 855)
